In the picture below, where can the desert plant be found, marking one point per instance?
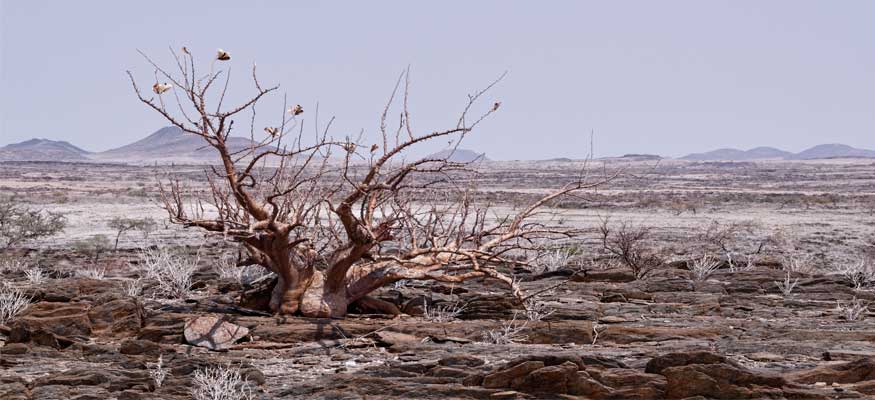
(798, 263)
(442, 312)
(20, 224)
(629, 245)
(157, 371)
(122, 225)
(510, 332)
(852, 310)
(732, 237)
(597, 329)
(860, 274)
(93, 247)
(92, 272)
(172, 272)
(12, 303)
(13, 265)
(221, 383)
(35, 275)
(703, 267)
(787, 285)
(133, 287)
(339, 218)
(736, 266)
(536, 309)
(227, 268)
(554, 260)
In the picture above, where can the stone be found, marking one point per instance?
(847, 372)
(461, 360)
(550, 379)
(506, 378)
(722, 381)
(213, 333)
(657, 364)
(136, 347)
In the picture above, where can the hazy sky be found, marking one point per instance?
(666, 77)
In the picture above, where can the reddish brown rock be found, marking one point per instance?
(213, 333)
(509, 377)
(849, 372)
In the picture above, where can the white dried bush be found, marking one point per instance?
(12, 302)
(157, 371)
(860, 274)
(510, 332)
(553, 260)
(787, 285)
(703, 267)
(93, 272)
(221, 383)
(738, 266)
(442, 313)
(12, 265)
(35, 275)
(853, 310)
(798, 263)
(133, 287)
(172, 272)
(227, 268)
(536, 309)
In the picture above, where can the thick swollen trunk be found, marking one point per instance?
(309, 296)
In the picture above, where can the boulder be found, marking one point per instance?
(213, 333)
(848, 372)
(510, 377)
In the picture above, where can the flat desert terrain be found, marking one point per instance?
(753, 294)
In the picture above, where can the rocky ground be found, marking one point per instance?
(602, 334)
(609, 336)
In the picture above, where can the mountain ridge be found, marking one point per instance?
(821, 151)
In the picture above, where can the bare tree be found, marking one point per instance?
(337, 219)
(20, 224)
(629, 244)
(122, 225)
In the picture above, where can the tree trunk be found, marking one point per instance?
(321, 302)
(310, 297)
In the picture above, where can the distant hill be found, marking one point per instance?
(459, 155)
(42, 150)
(757, 153)
(169, 143)
(833, 150)
(641, 157)
(823, 151)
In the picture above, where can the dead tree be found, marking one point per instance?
(629, 244)
(338, 219)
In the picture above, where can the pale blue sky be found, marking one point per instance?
(667, 77)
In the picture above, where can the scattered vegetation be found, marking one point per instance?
(227, 267)
(122, 225)
(703, 267)
(172, 272)
(221, 383)
(787, 285)
(442, 312)
(35, 275)
(93, 247)
(630, 245)
(12, 303)
(157, 371)
(20, 224)
(133, 287)
(510, 332)
(860, 274)
(92, 272)
(852, 310)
